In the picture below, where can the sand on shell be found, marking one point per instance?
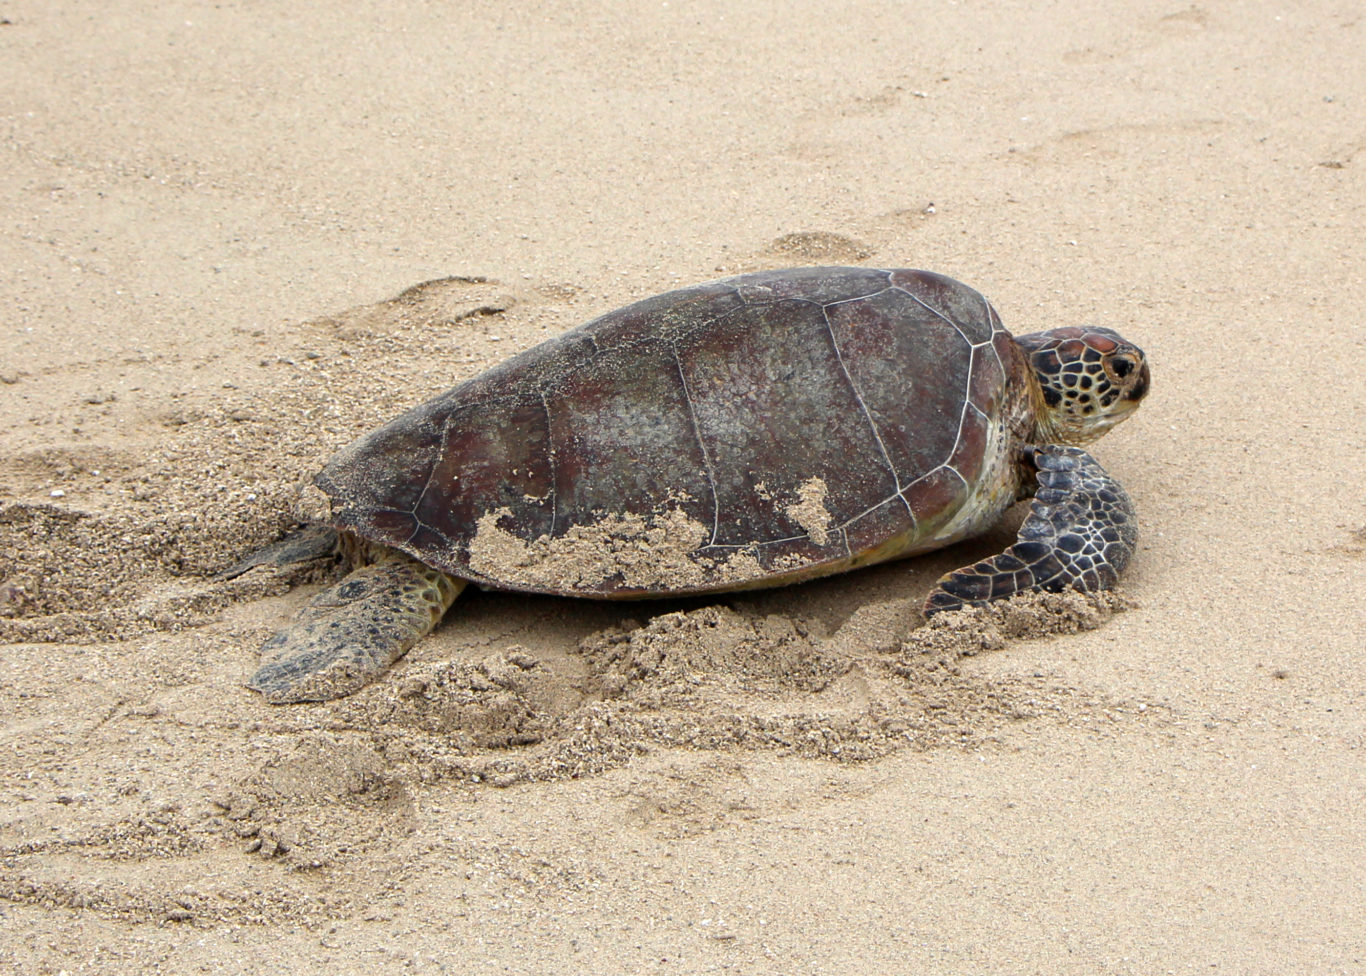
(351, 209)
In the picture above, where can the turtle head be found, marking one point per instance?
(1089, 380)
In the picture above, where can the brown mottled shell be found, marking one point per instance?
(745, 432)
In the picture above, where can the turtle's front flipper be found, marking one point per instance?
(348, 634)
(1079, 535)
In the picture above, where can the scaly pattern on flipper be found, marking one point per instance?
(1080, 534)
(348, 634)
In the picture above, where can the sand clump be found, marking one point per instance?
(676, 652)
(714, 678)
(1023, 617)
(644, 552)
(87, 577)
(809, 510)
(656, 552)
(497, 702)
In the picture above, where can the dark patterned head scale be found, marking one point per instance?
(1091, 379)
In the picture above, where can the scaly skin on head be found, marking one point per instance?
(1089, 380)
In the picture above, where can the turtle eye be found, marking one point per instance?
(1121, 366)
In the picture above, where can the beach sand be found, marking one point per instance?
(215, 218)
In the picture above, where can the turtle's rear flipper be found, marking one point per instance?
(348, 634)
(312, 543)
(1079, 535)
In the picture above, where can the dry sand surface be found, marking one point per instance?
(208, 210)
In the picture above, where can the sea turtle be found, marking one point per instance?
(749, 432)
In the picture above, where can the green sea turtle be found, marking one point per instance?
(749, 432)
